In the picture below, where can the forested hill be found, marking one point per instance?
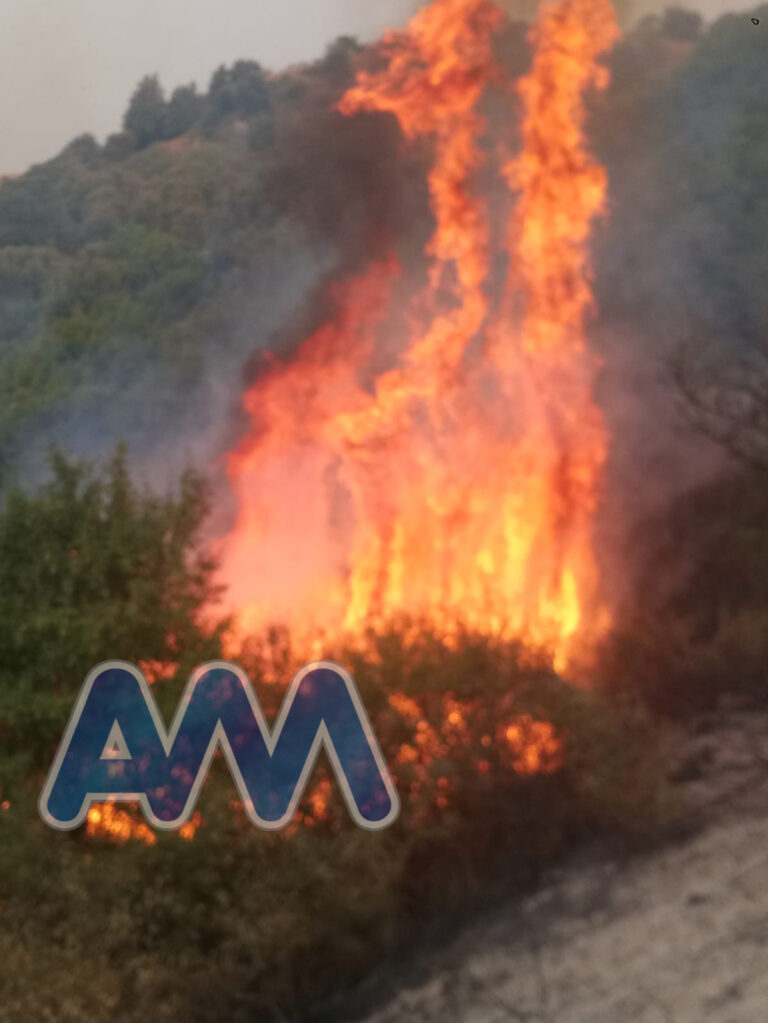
(138, 278)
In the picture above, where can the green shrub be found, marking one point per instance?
(92, 569)
(243, 925)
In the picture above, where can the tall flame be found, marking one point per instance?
(459, 486)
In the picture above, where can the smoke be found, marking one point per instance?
(678, 261)
(130, 394)
(662, 264)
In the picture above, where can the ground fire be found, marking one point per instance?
(460, 485)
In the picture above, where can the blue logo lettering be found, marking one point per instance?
(116, 748)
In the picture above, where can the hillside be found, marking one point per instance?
(139, 279)
(590, 577)
(677, 934)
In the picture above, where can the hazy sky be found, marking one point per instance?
(69, 66)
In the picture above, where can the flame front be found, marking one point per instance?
(459, 486)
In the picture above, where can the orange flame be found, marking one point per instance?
(459, 486)
(120, 826)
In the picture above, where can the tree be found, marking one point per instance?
(86, 149)
(682, 25)
(94, 569)
(183, 110)
(241, 89)
(119, 146)
(338, 63)
(145, 117)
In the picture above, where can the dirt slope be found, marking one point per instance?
(678, 935)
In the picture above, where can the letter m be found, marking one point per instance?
(116, 748)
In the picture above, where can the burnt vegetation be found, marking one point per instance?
(138, 279)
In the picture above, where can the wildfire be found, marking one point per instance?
(121, 826)
(459, 486)
(523, 744)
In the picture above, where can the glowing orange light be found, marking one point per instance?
(460, 485)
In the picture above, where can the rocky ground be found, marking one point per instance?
(677, 935)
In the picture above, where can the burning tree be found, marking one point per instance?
(460, 484)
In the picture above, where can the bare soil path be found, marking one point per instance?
(677, 935)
